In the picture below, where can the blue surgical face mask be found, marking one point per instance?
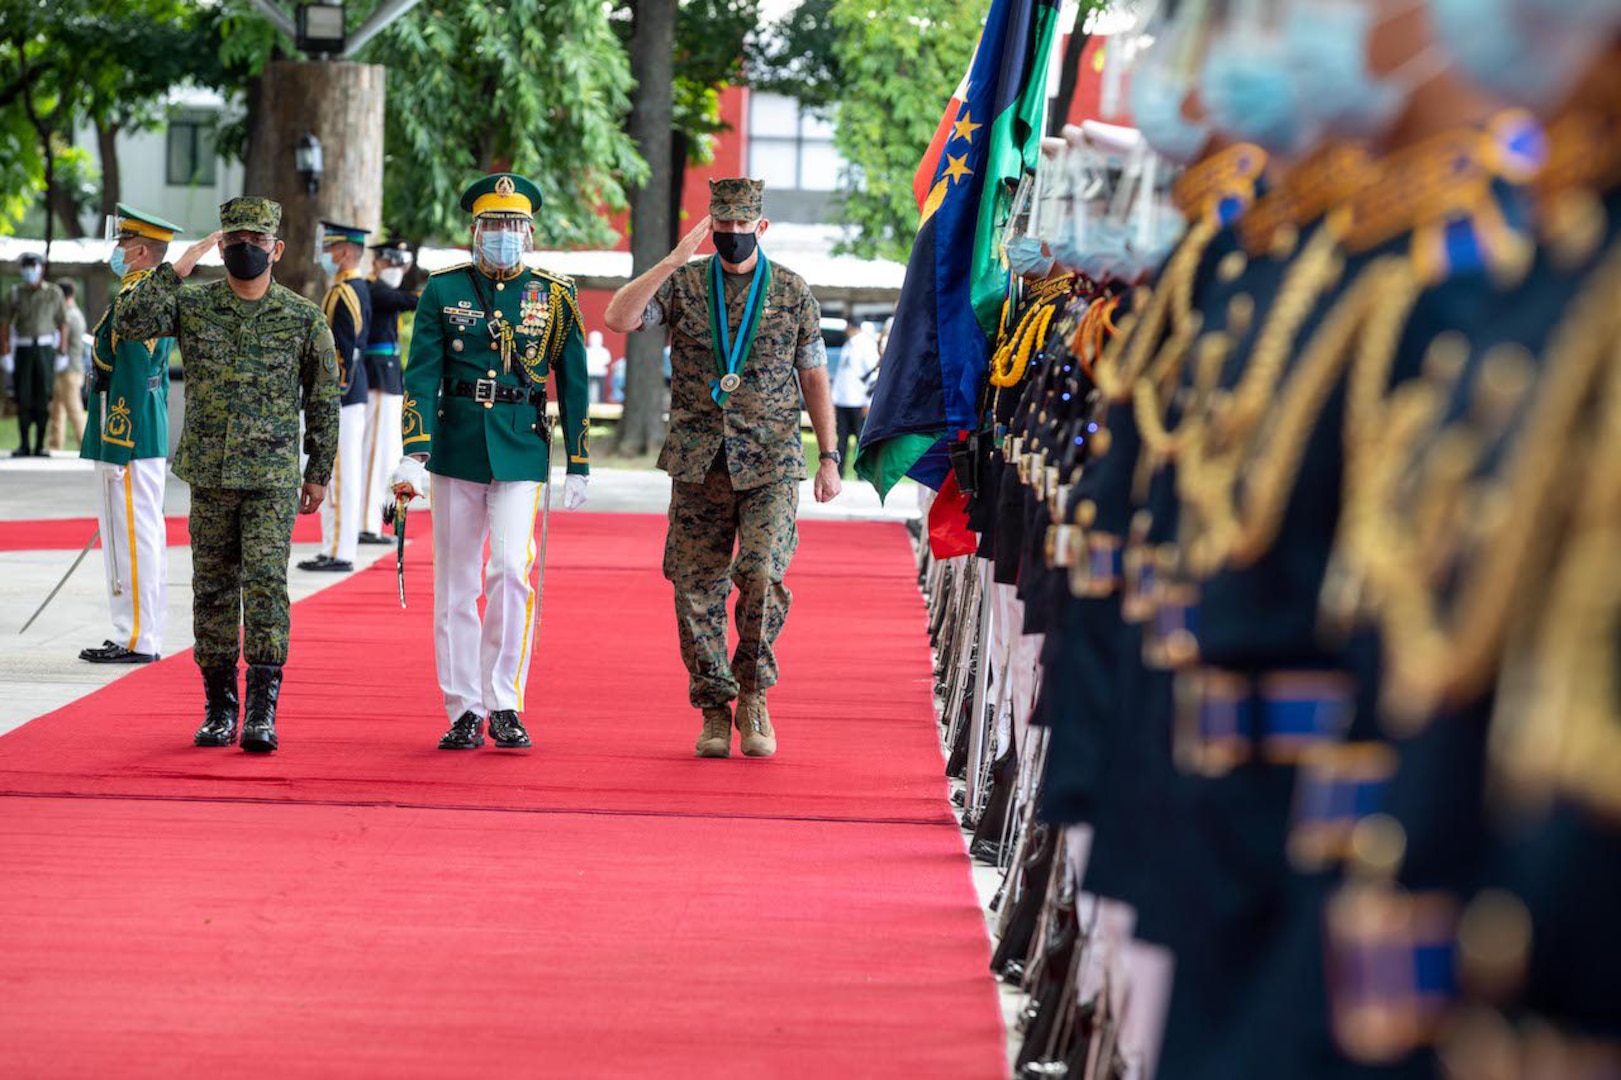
(1248, 89)
(1156, 107)
(502, 248)
(328, 263)
(1521, 50)
(117, 263)
(33, 274)
(1025, 259)
(1107, 255)
(1328, 44)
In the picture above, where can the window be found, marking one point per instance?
(789, 148)
(191, 150)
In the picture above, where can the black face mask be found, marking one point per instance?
(245, 261)
(735, 247)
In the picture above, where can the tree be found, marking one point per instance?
(900, 62)
(798, 57)
(652, 54)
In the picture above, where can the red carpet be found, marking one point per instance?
(604, 905)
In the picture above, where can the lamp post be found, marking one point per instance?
(307, 160)
(320, 29)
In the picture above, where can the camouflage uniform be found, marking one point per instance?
(249, 368)
(736, 467)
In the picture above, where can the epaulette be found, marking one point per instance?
(455, 269)
(561, 279)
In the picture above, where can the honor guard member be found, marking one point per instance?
(348, 312)
(384, 390)
(33, 325)
(256, 353)
(128, 439)
(487, 337)
(745, 342)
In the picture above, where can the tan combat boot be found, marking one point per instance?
(716, 740)
(759, 738)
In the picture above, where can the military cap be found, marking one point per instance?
(250, 213)
(502, 195)
(393, 251)
(31, 258)
(737, 199)
(133, 222)
(333, 233)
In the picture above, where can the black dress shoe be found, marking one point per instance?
(507, 730)
(98, 650)
(259, 726)
(117, 655)
(22, 451)
(219, 722)
(466, 733)
(325, 564)
(374, 538)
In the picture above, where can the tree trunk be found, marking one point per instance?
(1068, 80)
(652, 57)
(112, 184)
(341, 104)
(60, 201)
(678, 183)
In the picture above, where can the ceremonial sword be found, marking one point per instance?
(94, 536)
(394, 514)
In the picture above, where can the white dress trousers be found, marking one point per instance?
(340, 511)
(383, 450)
(134, 549)
(484, 668)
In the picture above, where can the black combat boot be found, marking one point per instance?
(219, 722)
(507, 730)
(259, 727)
(467, 733)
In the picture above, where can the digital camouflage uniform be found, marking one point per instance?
(250, 368)
(736, 467)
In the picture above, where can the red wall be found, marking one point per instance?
(731, 158)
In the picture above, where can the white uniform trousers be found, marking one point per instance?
(484, 668)
(340, 511)
(134, 547)
(383, 451)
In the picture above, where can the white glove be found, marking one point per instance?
(61, 362)
(410, 473)
(118, 473)
(574, 491)
(7, 363)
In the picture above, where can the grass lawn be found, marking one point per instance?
(8, 437)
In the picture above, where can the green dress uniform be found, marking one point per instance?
(251, 368)
(736, 458)
(487, 341)
(127, 436)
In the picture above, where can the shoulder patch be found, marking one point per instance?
(453, 269)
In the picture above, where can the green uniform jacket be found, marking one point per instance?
(451, 342)
(250, 367)
(129, 415)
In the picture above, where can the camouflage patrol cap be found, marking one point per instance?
(738, 199)
(250, 213)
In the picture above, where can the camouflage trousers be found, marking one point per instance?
(240, 543)
(708, 522)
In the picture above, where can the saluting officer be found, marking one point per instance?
(348, 311)
(487, 338)
(745, 343)
(390, 262)
(256, 354)
(128, 438)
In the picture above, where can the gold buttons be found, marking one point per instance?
(489, 404)
(489, 374)
(500, 286)
(456, 345)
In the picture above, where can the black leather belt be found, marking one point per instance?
(490, 390)
(100, 382)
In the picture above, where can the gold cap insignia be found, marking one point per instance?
(504, 186)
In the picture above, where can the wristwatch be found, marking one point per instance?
(832, 455)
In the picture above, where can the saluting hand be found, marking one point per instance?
(688, 247)
(184, 265)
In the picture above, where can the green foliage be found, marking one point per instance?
(901, 60)
(798, 57)
(537, 86)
